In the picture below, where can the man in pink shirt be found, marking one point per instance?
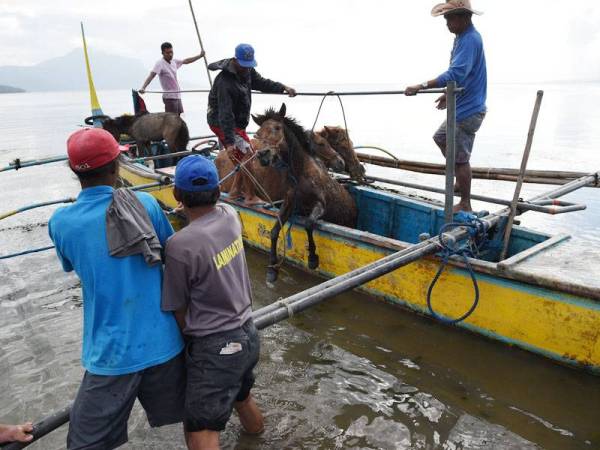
(166, 69)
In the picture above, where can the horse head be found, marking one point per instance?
(338, 138)
(321, 148)
(119, 125)
(278, 136)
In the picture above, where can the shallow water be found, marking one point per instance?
(352, 373)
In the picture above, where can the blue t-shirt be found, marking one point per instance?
(468, 69)
(124, 329)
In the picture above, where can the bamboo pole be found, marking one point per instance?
(542, 206)
(486, 173)
(524, 160)
(201, 44)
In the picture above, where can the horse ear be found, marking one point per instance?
(258, 120)
(282, 110)
(326, 131)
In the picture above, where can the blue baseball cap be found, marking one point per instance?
(244, 53)
(196, 173)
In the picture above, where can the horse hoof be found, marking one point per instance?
(271, 275)
(313, 262)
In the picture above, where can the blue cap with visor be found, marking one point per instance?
(196, 173)
(244, 53)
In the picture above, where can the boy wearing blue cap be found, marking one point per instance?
(229, 103)
(206, 284)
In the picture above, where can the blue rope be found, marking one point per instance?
(477, 233)
(26, 252)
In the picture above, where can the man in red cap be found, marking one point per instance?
(131, 349)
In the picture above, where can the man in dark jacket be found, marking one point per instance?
(228, 114)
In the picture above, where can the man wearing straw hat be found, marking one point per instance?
(468, 69)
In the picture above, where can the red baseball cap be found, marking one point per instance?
(90, 148)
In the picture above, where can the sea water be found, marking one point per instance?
(351, 373)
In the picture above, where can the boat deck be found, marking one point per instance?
(567, 264)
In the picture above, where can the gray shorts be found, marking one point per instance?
(219, 373)
(103, 404)
(465, 137)
(173, 105)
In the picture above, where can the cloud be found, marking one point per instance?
(313, 41)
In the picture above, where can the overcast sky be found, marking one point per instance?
(344, 41)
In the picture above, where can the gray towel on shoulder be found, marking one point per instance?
(129, 230)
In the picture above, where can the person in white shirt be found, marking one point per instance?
(166, 69)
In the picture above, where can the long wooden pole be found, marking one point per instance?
(524, 160)
(201, 45)
(486, 173)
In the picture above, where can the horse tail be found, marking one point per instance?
(183, 137)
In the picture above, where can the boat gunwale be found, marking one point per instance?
(499, 270)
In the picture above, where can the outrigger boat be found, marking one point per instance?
(536, 299)
(540, 298)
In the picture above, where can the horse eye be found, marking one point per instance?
(277, 128)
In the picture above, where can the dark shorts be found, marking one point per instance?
(173, 105)
(103, 404)
(219, 373)
(465, 137)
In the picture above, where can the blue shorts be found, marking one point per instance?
(99, 415)
(465, 137)
(219, 373)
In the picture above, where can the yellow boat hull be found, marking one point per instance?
(555, 324)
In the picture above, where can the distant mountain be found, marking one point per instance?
(68, 73)
(10, 89)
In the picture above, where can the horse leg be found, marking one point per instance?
(317, 212)
(282, 218)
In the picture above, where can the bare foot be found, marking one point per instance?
(255, 201)
(462, 207)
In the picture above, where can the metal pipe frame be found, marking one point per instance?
(450, 150)
(315, 94)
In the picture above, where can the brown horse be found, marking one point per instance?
(147, 127)
(338, 138)
(310, 191)
(271, 179)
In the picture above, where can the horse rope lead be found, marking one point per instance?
(281, 224)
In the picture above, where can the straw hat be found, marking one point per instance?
(453, 6)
